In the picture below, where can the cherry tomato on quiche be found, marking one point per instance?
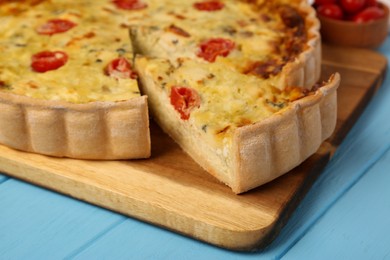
(209, 6)
(55, 26)
(331, 11)
(210, 49)
(130, 4)
(369, 14)
(352, 6)
(48, 60)
(184, 100)
(120, 69)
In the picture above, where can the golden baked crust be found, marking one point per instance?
(96, 130)
(267, 149)
(306, 69)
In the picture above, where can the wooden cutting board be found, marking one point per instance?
(172, 191)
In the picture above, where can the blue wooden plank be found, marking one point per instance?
(357, 226)
(136, 240)
(3, 178)
(37, 223)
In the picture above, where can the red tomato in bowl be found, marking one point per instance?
(371, 3)
(331, 11)
(352, 6)
(370, 13)
(323, 2)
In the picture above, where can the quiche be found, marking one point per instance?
(233, 82)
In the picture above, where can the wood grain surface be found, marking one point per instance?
(172, 191)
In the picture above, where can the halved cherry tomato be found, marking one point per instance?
(55, 26)
(369, 14)
(352, 6)
(130, 4)
(48, 60)
(209, 6)
(210, 49)
(184, 100)
(331, 11)
(120, 69)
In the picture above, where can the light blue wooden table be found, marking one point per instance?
(345, 215)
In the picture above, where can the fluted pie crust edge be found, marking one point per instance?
(96, 130)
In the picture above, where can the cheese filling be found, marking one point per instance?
(100, 35)
(91, 45)
(267, 36)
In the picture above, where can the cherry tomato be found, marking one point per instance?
(55, 26)
(47, 60)
(352, 6)
(130, 4)
(369, 14)
(323, 2)
(120, 69)
(371, 3)
(209, 6)
(184, 100)
(210, 49)
(331, 11)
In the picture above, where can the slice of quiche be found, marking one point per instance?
(234, 84)
(243, 131)
(67, 86)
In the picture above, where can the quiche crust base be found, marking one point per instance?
(96, 130)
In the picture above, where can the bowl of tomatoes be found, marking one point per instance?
(353, 23)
